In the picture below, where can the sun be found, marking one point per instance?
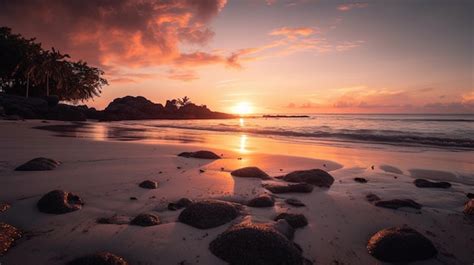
(242, 108)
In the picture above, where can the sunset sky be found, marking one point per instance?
(285, 56)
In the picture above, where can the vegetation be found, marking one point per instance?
(29, 70)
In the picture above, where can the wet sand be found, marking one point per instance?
(105, 172)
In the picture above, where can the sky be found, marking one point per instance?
(267, 56)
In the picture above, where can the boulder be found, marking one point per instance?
(101, 258)
(27, 108)
(64, 112)
(469, 207)
(4, 206)
(59, 202)
(255, 244)
(263, 200)
(181, 203)
(200, 154)
(145, 219)
(209, 213)
(283, 227)
(360, 180)
(424, 183)
(148, 184)
(52, 100)
(400, 244)
(316, 177)
(289, 188)
(398, 203)
(250, 172)
(39, 164)
(295, 202)
(8, 235)
(115, 220)
(294, 219)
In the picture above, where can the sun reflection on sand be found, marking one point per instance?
(243, 144)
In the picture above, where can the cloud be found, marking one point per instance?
(133, 33)
(350, 6)
(292, 33)
(185, 75)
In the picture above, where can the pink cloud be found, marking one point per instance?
(350, 6)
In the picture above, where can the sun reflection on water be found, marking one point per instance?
(243, 144)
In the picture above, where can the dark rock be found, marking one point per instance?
(398, 203)
(52, 100)
(400, 244)
(133, 198)
(101, 258)
(148, 184)
(4, 206)
(12, 118)
(360, 180)
(263, 200)
(8, 235)
(63, 112)
(469, 207)
(39, 164)
(181, 203)
(283, 227)
(424, 183)
(115, 220)
(208, 213)
(27, 108)
(145, 219)
(372, 197)
(200, 154)
(59, 202)
(255, 244)
(317, 177)
(289, 188)
(470, 195)
(295, 220)
(250, 172)
(295, 202)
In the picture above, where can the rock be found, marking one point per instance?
(13, 118)
(200, 154)
(181, 203)
(27, 108)
(470, 195)
(469, 207)
(63, 112)
(59, 202)
(424, 183)
(148, 184)
(317, 177)
(101, 258)
(255, 244)
(360, 180)
(400, 244)
(294, 202)
(294, 219)
(115, 220)
(289, 188)
(398, 203)
(263, 200)
(39, 164)
(146, 219)
(283, 227)
(8, 235)
(372, 197)
(4, 206)
(250, 172)
(208, 213)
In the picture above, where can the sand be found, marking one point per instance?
(107, 173)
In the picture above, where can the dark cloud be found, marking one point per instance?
(114, 32)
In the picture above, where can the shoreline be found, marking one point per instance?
(105, 173)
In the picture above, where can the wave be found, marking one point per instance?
(369, 136)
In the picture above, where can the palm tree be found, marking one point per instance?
(184, 101)
(53, 66)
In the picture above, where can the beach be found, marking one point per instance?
(104, 165)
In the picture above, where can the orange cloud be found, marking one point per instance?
(350, 6)
(291, 33)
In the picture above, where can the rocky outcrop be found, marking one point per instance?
(400, 245)
(208, 214)
(59, 202)
(146, 219)
(250, 172)
(316, 177)
(200, 154)
(289, 188)
(101, 258)
(39, 164)
(251, 244)
(8, 235)
(424, 183)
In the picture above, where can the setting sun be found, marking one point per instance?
(242, 108)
